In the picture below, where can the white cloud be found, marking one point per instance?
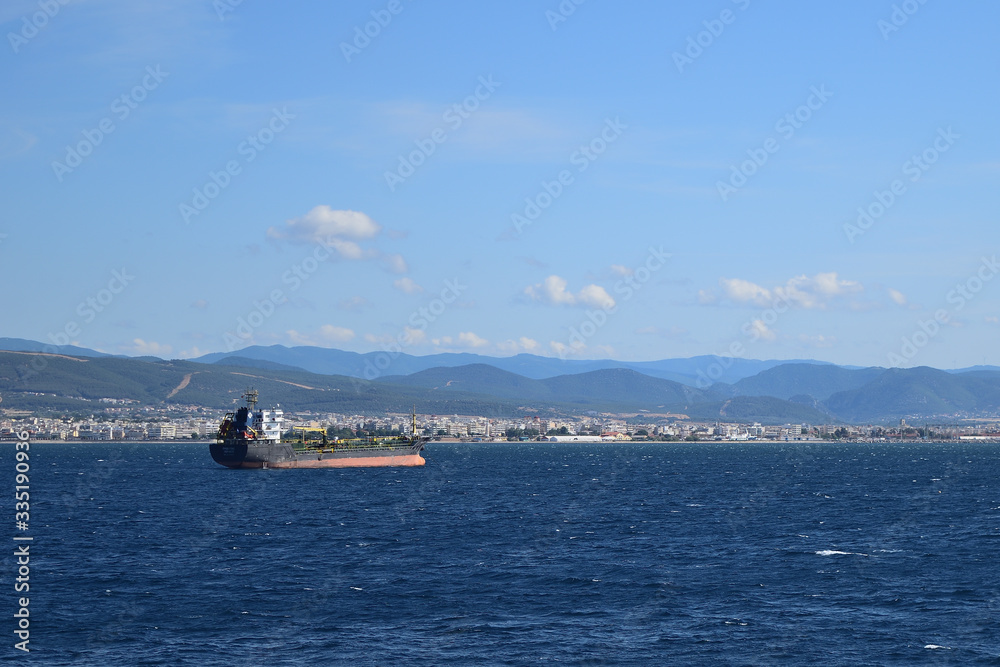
(465, 339)
(407, 285)
(741, 291)
(801, 291)
(553, 292)
(897, 296)
(818, 340)
(414, 336)
(148, 348)
(668, 332)
(707, 296)
(395, 263)
(327, 333)
(595, 295)
(522, 344)
(469, 339)
(335, 334)
(762, 330)
(562, 350)
(346, 249)
(621, 270)
(323, 222)
(355, 303)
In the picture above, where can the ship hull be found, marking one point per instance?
(253, 455)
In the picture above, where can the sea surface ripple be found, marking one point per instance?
(518, 553)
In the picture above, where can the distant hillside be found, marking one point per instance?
(622, 386)
(39, 381)
(763, 409)
(23, 345)
(918, 392)
(817, 381)
(476, 378)
(617, 386)
(48, 382)
(256, 363)
(699, 371)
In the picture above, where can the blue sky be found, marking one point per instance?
(637, 180)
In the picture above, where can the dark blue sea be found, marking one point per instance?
(515, 554)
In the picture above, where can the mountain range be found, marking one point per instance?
(67, 378)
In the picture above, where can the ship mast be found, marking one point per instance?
(250, 395)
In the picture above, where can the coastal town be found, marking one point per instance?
(119, 420)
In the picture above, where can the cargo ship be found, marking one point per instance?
(251, 438)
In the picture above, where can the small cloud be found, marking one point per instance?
(522, 344)
(407, 285)
(200, 304)
(144, 348)
(707, 296)
(469, 339)
(355, 303)
(327, 333)
(395, 263)
(562, 350)
(602, 350)
(993, 320)
(335, 334)
(595, 295)
(299, 339)
(898, 297)
(577, 348)
(762, 330)
(620, 270)
(668, 332)
(466, 339)
(193, 353)
(534, 263)
(801, 291)
(16, 141)
(818, 340)
(553, 292)
(741, 291)
(414, 336)
(322, 223)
